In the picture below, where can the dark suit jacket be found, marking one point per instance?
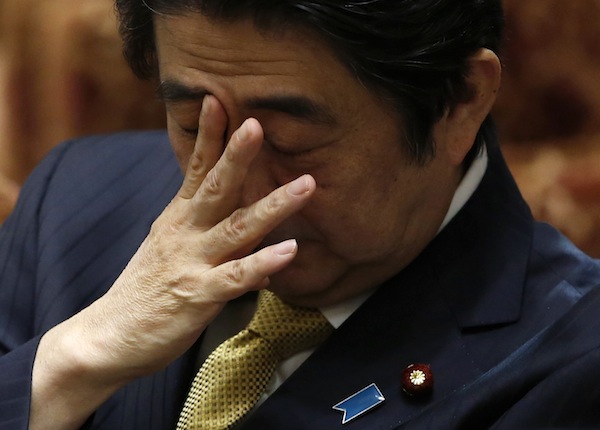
(501, 307)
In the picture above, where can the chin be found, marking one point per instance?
(301, 287)
(309, 278)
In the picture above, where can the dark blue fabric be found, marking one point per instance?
(498, 305)
(503, 309)
(81, 217)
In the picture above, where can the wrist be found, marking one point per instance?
(68, 381)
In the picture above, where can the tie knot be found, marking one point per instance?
(288, 329)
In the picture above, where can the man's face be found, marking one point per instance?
(373, 210)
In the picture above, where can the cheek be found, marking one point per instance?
(357, 220)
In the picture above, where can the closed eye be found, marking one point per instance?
(288, 152)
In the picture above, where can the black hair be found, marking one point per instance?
(413, 53)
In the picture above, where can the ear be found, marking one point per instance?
(456, 131)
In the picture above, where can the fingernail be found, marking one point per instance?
(206, 104)
(285, 248)
(242, 132)
(298, 186)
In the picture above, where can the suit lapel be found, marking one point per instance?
(469, 278)
(406, 322)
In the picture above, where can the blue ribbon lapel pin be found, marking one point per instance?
(359, 403)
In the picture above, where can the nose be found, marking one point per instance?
(261, 179)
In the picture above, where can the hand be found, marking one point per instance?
(198, 255)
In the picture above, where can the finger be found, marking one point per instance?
(219, 194)
(241, 232)
(234, 278)
(208, 147)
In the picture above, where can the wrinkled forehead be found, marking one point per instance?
(276, 19)
(243, 66)
(238, 45)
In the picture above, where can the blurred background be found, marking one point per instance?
(62, 75)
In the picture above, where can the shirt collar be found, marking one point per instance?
(467, 186)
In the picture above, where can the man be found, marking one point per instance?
(338, 154)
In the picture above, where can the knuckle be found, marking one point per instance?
(237, 225)
(196, 163)
(212, 185)
(235, 275)
(230, 153)
(272, 205)
(268, 210)
(160, 228)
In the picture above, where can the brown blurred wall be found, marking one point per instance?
(62, 75)
(548, 112)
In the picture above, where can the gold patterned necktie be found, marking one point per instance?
(236, 374)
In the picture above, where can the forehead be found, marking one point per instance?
(235, 61)
(231, 47)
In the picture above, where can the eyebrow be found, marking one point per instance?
(170, 91)
(295, 106)
(298, 107)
